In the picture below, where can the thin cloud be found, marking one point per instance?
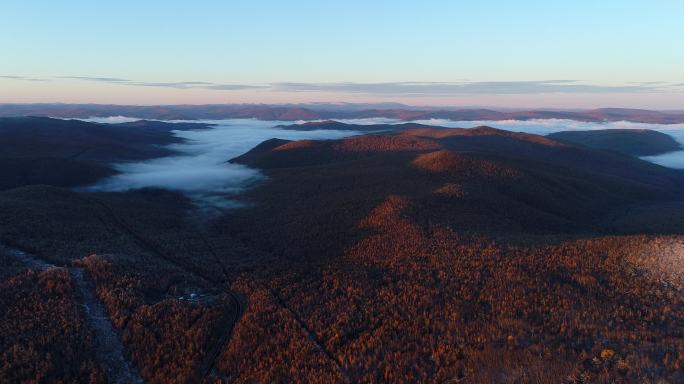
(234, 87)
(466, 88)
(176, 85)
(648, 82)
(402, 88)
(179, 84)
(22, 78)
(197, 84)
(102, 79)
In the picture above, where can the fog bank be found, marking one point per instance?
(200, 169)
(546, 126)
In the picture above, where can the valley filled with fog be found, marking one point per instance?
(342, 248)
(546, 126)
(201, 168)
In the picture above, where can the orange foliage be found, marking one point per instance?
(451, 190)
(410, 303)
(44, 336)
(381, 143)
(448, 161)
(481, 131)
(166, 337)
(296, 144)
(270, 346)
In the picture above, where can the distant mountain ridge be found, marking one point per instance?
(294, 112)
(70, 153)
(277, 153)
(337, 125)
(635, 142)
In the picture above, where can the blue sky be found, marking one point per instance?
(499, 53)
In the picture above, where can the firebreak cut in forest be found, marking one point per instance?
(421, 254)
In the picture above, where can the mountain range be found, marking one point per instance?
(332, 111)
(414, 254)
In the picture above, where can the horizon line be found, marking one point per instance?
(370, 105)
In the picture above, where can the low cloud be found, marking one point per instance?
(200, 168)
(546, 126)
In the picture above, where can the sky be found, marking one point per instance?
(524, 53)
